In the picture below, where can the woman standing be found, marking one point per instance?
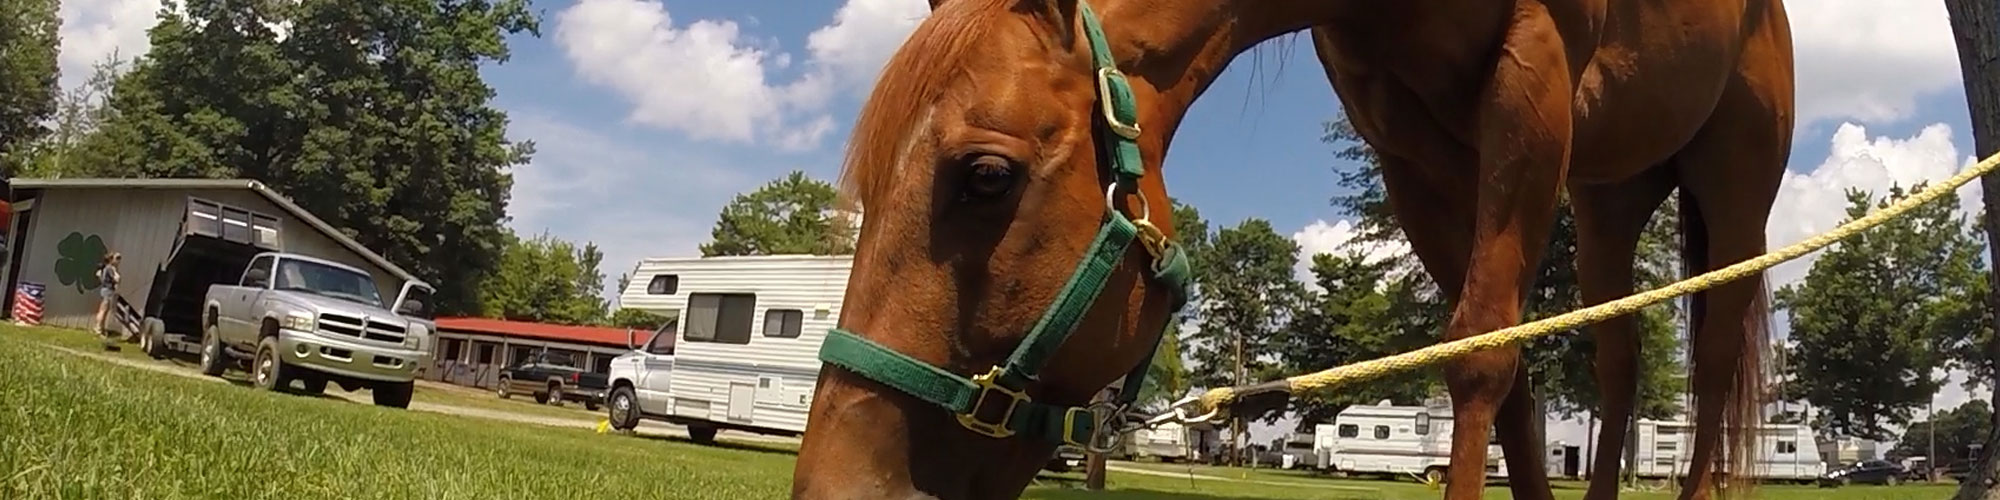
(107, 277)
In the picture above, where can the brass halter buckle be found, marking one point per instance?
(987, 387)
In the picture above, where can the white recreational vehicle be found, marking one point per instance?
(1785, 451)
(1394, 440)
(743, 351)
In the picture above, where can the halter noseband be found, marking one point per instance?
(996, 403)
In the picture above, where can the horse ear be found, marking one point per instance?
(936, 3)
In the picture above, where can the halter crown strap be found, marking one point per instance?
(996, 403)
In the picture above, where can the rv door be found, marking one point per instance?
(414, 301)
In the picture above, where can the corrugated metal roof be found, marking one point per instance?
(251, 184)
(584, 334)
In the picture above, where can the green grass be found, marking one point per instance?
(75, 427)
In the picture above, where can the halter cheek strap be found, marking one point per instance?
(997, 403)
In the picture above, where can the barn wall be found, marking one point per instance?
(141, 224)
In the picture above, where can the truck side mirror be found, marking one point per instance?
(257, 277)
(630, 342)
(410, 307)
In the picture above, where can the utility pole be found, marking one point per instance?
(1236, 421)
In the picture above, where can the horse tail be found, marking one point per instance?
(1743, 398)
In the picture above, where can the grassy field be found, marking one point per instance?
(75, 427)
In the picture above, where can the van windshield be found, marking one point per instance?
(329, 281)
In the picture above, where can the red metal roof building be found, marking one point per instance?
(471, 351)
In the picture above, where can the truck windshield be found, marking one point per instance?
(321, 279)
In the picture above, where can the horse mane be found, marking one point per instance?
(912, 79)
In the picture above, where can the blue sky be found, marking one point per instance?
(649, 115)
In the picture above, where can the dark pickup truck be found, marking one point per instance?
(553, 377)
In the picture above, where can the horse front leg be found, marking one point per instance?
(1524, 146)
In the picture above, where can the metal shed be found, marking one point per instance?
(62, 228)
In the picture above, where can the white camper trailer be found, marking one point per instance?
(1394, 440)
(743, 353)
(1785, 451)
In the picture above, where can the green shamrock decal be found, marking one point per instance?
(80, 257)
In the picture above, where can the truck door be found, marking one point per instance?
(656, 369)
(236, 324)
(414, 301)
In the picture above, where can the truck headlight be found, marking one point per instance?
(299, 321)
(415, 338)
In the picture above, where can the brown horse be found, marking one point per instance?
(977, 160)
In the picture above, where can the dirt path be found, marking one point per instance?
(645, 428)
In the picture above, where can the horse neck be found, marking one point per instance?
(1179, 48)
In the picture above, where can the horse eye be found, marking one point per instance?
(988, 176)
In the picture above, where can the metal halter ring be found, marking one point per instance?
(1111, 201)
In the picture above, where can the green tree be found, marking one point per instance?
(626, 317)
(791, 215)
(372, 115)
(28, 74)
(1359, 316)
(1956, 429)
(1874, 313)
(78, 113)
(1248, 294)
(1560, 365)
(546, 280)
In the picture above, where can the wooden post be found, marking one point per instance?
(1093, 475)
(1976, 26)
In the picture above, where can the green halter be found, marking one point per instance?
(996, 403)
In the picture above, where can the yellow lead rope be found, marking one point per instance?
(1214, 399)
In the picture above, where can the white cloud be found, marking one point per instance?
(1809, 204)
(1320, 237)
(93, 30)
(709, 80)
(1870, 59)
(633, 203)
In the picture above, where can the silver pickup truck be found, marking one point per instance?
(314, 321)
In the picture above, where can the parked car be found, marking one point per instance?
(1865, 472)
(553, 377)
(315, 321)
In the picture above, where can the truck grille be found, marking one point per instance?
(340, 324)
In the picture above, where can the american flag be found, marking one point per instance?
(28, 303)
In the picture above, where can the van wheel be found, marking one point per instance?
(394, 395)
(624, 409)
(213, 359)
(701, 434)
(269, 372)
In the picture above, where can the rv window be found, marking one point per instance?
(1788, 447)
(663, 339)
(783, 323)
(663, 284)
(1423, 424)
(1381, 432)
(1350, 430)
(723, 318)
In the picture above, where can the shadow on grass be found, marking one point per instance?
(770, 449)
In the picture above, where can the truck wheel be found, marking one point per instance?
(701, 434)
(394, 395)
(269, 372)
(555, 395)
(315, 385)
(502, 388)
(213, 359)
(541, 398)
(624, 409)
(150, 341)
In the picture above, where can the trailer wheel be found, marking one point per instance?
(149, 338)
(1434, 475)
(701, 434)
